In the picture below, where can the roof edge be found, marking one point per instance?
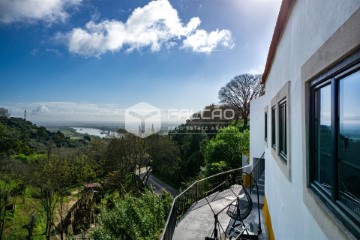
(281, 21)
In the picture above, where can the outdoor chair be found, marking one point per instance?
(238, 213)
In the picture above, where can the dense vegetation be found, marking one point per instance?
(42, 173)
(195, 135)
(18, 136)
(36, 192)
(225, 151)
(140, 216)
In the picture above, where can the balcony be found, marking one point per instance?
(218, 207)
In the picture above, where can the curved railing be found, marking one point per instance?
(196, 191)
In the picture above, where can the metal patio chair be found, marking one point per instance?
(238, 213)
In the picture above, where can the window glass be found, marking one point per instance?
(323, 148)
(282, 128)
(349, 141)
(266, 116)
(335, 141)
(273, 133)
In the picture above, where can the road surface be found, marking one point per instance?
(157, 185)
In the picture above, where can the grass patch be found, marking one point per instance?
(26, 206)
(71, 133)
(29, 205)
(29, 158)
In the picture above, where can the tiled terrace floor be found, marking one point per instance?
(198, 223)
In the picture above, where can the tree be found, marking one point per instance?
(30, 227)
(213, 115)
(4, 113)
(53, 178)
(240, 91)
(225, 151)
(47, 179)
(7, 190)
(122, 158)
(164, 153)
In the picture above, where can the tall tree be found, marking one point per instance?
(123, 157)
(240, 91)
(164, 153)
(7, 190)
(225, 151)
(47, 179)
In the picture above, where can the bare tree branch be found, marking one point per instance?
(240, 91)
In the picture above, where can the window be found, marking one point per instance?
(282, 129)
(326, 81)
(273, 127)
(335, 143)
(265, 127)
(323, 131)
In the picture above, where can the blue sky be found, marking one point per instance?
(91, 59)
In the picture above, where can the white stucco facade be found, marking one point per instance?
(257, 119)
(310, 24)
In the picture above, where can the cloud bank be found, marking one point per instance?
(49, 11)
(66, 111)
(153, 26)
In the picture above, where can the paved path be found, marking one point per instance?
(159, 186)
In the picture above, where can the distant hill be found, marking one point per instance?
(18, 136)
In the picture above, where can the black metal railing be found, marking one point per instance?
(193, 196)
(257, 171)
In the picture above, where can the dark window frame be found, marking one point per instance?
(282, 128)
(331, 199)
(284, 162)
(266, 126)
(273, 127)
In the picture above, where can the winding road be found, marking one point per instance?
(159, 186)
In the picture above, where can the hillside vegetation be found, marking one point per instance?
(18, 136)
(41, 170)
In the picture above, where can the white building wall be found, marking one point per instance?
(310, 24)
(257, 130)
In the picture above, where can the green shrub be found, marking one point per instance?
(225, 151)
(134, 217)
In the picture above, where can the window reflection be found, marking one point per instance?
(349, 141)
(282, 129)
(324, 149)
(273, 134)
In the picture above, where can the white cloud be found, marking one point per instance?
(204, 42)
(32, 10)
(152, 26)
(40, 109)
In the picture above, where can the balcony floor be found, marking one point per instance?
(198, 223)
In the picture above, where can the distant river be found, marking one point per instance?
(96, 132)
